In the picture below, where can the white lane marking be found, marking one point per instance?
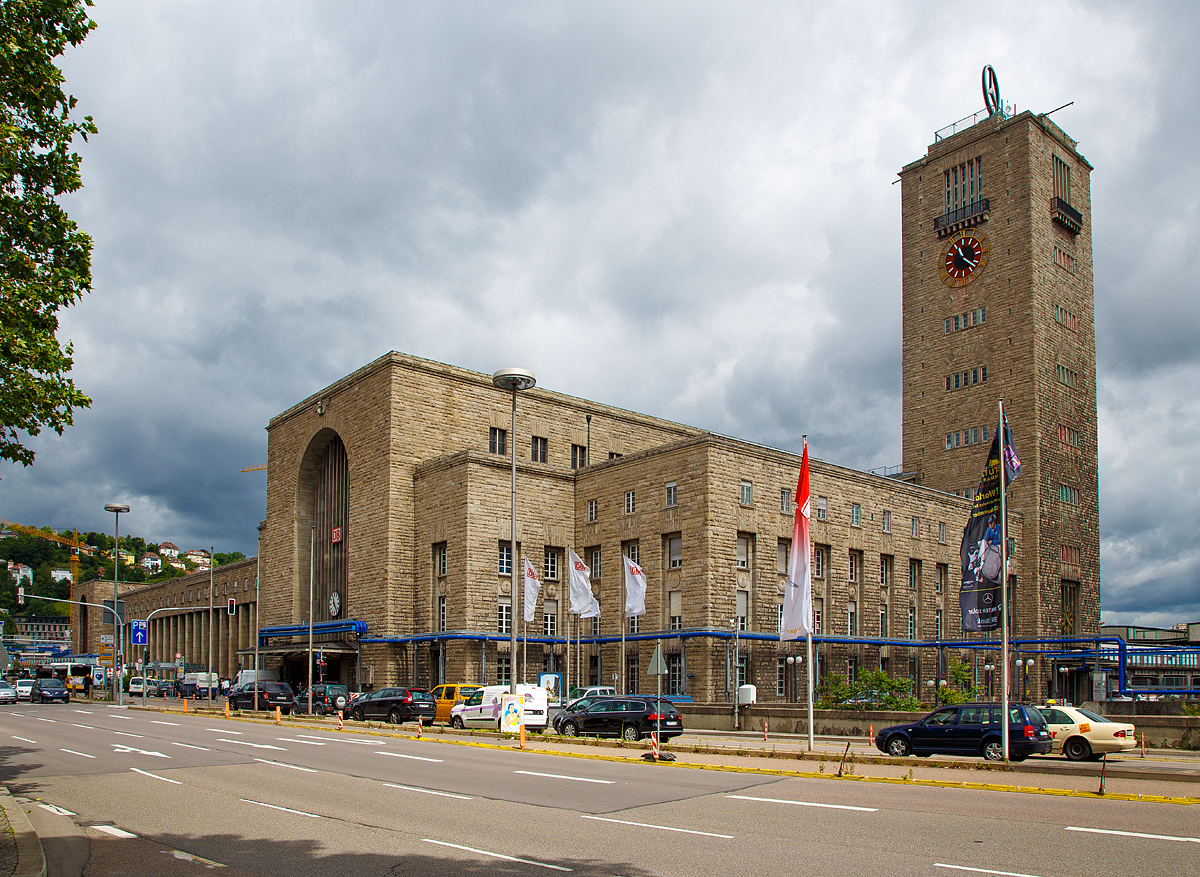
(1194, 840)
(88, 727)
(190, 746)
(559, 776)
(198, 860)
(120, 747)
(51, 721)
(659, 827)
(983, 870)
(22, 715)
(25, 739)
(305, 742)
(224, 731)
(122, 718)
(85, 712)
(284, 809)
(114, 831)
(804, 803)
(427, 791)
(281, 764)
(255, 745)
(442, 843)
(412, 757)
(127, 734)
(80, 754)
(157, 722)
(147, 773)
(61, 811)
(340, 740)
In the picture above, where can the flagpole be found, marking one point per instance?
(621, 664)
(1003, 592)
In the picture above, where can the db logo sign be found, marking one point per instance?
(579, 567)
(633, 567)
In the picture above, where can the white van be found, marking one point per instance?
(248, 676)
(482, 709)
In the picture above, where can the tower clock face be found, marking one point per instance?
(963, 257)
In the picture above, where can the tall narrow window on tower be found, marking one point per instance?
(964, 194)
(1061, 210)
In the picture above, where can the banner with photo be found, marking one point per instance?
(979, 596)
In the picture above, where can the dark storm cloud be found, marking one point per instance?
(682, 209)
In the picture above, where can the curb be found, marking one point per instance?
(31, 860)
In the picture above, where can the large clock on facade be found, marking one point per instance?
(335, 604)
(963, 257)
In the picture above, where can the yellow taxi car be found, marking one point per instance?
(1081, 734)
(448, 695)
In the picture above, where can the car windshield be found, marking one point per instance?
(1034, 717)
(275, 688)
(52, 683)
(4, 684)
(423, 696)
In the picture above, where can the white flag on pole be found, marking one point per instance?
(635, 589)
(532, 586)
(797, 594)
(583, 603)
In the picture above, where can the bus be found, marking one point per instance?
(71, 673)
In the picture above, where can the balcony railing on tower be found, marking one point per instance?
(961, 217)
(1066, 215)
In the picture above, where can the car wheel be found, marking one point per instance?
(570, 729)
(993, 750)
(898, 747)
(456, 723)
(394, 717)
(1077, 749)
(631, 733)
(357, 715)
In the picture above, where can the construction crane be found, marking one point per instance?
(255, 468)
(62, 540)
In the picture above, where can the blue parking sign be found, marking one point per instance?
(139, 633)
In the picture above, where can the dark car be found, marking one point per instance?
(630, 718)
(270, 695)
(970, 729)
(164, 688)
(49, 691)
(326, 699)
(395, 705)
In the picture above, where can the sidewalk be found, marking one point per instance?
(20, 850)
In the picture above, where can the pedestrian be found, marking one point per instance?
(87, 687)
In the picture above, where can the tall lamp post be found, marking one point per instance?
(118, 634)
(513, 379)
(988, 668)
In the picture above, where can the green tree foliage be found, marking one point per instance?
(45, 260)
(873, 689)
(224, 557)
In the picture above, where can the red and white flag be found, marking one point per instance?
(797, 594)
(532, 587)
(635, 589)
(583, 603)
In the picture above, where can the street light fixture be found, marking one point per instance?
(118, 627)
(988, 668)
(513, 379)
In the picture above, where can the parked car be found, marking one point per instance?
(8, 694)
(1081, 734)
(447, 696)
(482, 709)
(24, 686)
(137, 685)
(327, 699)
(163, 688)
(630, 718)
(49, 691)
(579, 704)
(270, 695)
(969, 729)
(395, 705)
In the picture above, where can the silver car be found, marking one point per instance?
(24, 687)
(8, 694)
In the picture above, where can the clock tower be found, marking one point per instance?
(997, 304)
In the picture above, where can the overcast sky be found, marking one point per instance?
(684, 209)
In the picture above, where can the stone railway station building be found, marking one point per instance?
(388, 492)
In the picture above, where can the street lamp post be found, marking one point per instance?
(791, 660)
(988, 668)
(513, 379)
(118, 629)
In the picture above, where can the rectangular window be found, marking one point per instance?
(1062, 179)
(937, 634)
(855, 515)
(596, 626)
(503, 674)
(674, 675)
(549, 618)
(635, 623)
(916, 528)
(948, 325)
(983, 315)
(964, 187)
(779, 612)
(593, 511)
(941, 578)
(1070, 554)
(440, 554)
(914, 573)
(941, 531)
(822, 508)
(983, 374)
(818, 562)
(818, 609)
(505, 558)
(613, 455)
(538, 449)
(550, 570)
(633, 552)
(630, 505)
(956, 322)
(595, 563)
(785, 500)
(948, 442)
(782, 551)
(578, 456)
(442, 614)
(498, 441)
(852, 618)
(852, 575)
(675, 610)
(887, 522)
(743, 610)
(674, 552)
(671, 492)
(958, 440)
(883, 621)
(743, 552)
(781, 676)
(1068, 494)
(504, 616)
(912, 622)
(747, 493)
(885, 570)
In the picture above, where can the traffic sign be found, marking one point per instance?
(141, 635)
(658, 666)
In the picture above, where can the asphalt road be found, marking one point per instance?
(127, 792)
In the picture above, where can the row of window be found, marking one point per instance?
(966, 320)
(538, 448)
(1064, 260)
(972, 436)
(671, 500)
(1066, 376)
(1070, 554)
(1068, 436)
(964, 184)
(1068, 494)
(966, 378)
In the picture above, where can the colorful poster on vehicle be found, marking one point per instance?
(511, 713)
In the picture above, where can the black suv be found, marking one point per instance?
(396, 705)
(630, 718)
(326, 699)
(270, 695)
(970, 729)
